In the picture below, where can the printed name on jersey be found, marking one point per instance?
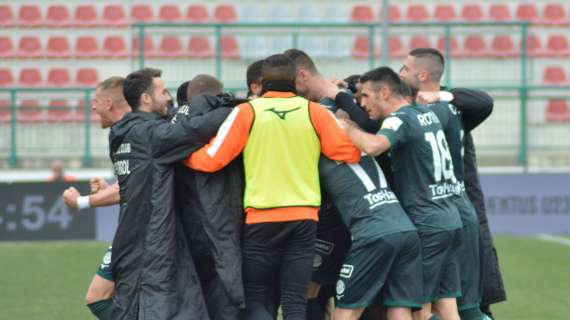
(444, 190)
(392, 123)
(324, 247)
(124, 148)
(346, 271)
(121, 167)
(427, 119)
(379, 198)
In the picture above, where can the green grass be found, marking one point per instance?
(48, 280)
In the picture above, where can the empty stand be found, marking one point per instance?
(504, 47)
(149, 48)
(555, 76)
(170, 13)
(6, 16)
(199, 47)
(87, 47)
(557, 46)
(171, 47)
(534, 45)
(225, 13)
(394, 13)
(419, 42)
(114, 16)
(115, 46)
(229, 47)
(474, 46)
(472, 13)
(30, 47)
(58, 16)
(197, 13)
(6, 47)
(558, 110)
(59, 111)
(417, 12)
(396, 47)
(445, 12)
(87, 77)
(29, 16)
(29, 111)
(85, 16)
(5, 112)
(500, 12)
(6, 78)
(58, 77)
(555, 14)
(58, 47)
(454, 46)
(362, 13)
(142, 13)
(361, 47)
(527, 12)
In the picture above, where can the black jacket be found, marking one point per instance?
(154, 273)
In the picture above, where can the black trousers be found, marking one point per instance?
(277, 265)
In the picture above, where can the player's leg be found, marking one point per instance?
(469, 265)
(100, 293)
(449, 287)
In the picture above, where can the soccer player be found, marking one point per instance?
(203, 84)
(281, 136)
(384, 262)
(253, 79)
(422, 71)
(424, 181)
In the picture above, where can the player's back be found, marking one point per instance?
(365, 202)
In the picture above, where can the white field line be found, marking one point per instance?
(554, 239)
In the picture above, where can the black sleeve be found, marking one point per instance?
(475, 106)
(345, 101)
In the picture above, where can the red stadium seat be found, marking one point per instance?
(557, 46)
(6, 47)
(419, 42)
(555, 14)
(558, 110)
(527, 12)
(230, 47)
(197, 13)
(472, 12)
(58, 47)
(59, 111)
(87, 77)
(503, 46)
(58, 16)
(199, 47)
(171, 47)
(115, 46)
(534, 45)
(445, 12)
(555, 75)
(417, 12)
(149, 49)
(58, 77)
(29, 111)
(394, 13)
(6, 16)
(86, 47)
(29, 16)
(500, 12)
(142, 13)
(85, 16)
(361, 48)
(225, 13)
(362, 13)
(114, 16)
(30, 47)
(396, 47)
(474, 46)
(6, 78)
(170, 13)
(5, 112)
(454, 46)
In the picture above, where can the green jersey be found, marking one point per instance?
(367, 206)
(423, 170)
(452, 125)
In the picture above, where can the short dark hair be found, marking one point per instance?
(278, 67)
(204, 84)
(386, 76)
(181, 95)
(435, 61)
(253, 74)
(137, 83)
(301, 60)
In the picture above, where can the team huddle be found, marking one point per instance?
(307, 190)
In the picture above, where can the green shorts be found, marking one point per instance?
(104, 270)
(387, 271)
(440, 266)
(470, 267)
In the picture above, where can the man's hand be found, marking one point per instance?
(427, 97)
(70, 196)
(347, 124)
(97, 184)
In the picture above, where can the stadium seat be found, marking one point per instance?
(500, 12)
(472, 12)
(85, 16)
(87, 77)
(171, 47)
(394, 13)
(504, 47)
(197, 13)
(142, 13)
(558, 110)
(170, 13)
(362, 13)
(114, 16)
(199, 47)
(6, 47)
(115, 46)
(225, 13)
(6, 16)
(5, 112)
(86, 47)
(527, 12)
(58, 47)
(58, 77)
(419, 42)
(417, 12)
(361, 47)
(555, 75)
(229, 47)
(29, 111)
(6, 78)
(149, 49)
(30, 47)
(57, 16)
(557, 46)
(396, 47)
(555, 14)
(454, 44)
(474, 46)
(534, 45)
(445, 12)
(29, 16)
(59, 111)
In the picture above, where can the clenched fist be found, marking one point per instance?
(70, 196)
(97, 184)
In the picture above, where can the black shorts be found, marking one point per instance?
(470, 267)
(387, 271)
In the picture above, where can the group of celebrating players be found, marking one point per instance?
(307, 190)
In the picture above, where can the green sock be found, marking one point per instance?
(101, 309)
(471, 314)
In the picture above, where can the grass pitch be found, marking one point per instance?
(48, 280)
